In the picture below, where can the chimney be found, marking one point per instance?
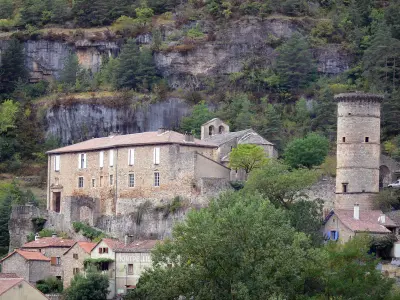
(189, 137)
(356, 211)
(54, 235)
(161, 130)
(127, 240)
(382, 219)
(37, 236)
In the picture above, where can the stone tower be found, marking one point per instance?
(358, 149)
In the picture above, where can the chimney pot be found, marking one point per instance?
(54, 235)
(356, 214)
(382, 219)
(37, 236)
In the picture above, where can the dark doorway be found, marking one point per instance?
(57, 201)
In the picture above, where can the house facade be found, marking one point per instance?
(127, 262)
(73, 260)
(53, 248)
(29, 265)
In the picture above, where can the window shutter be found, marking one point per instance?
(328, 235)
(57, 163)
(156, 156)
(106, 250)
(111, 158)
(79, 161)
(53, 260)
(101, 159)
(131, 157)
(84, 161)
(100, 250)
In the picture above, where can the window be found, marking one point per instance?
(80, 182)
(55, 261)
(75, 271)
(344, 187)
(111, 179)
(131, 182)
(75, 255)
(57, 163)
(93, 182)
(111, 154)
(221, 129)
(334, 235)
(131, 157)
(101, 181)
(156, 179)
(366, 139)
(156, 156)
(101, 159)
(103, 250)
(343, 139)
(211, 130)
(82, 161)
(130, 269)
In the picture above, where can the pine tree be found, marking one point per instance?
(12, 66)
(70, 71)
(6, 9)
(295, 64)
(5, 211)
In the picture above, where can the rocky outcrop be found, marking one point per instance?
(82, 121)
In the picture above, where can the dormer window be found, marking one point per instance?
(211, 130)
(221, 129)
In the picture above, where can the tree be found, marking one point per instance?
(247, 157)
(12, 66)
(295, 64)
(68, 74)
(351, 273)
(91, 286)
(6, 9)
(135, 67)
(200, 115)
(279, 184)
(231, 250)
(8, 115)
(307, 152)
(50, 285)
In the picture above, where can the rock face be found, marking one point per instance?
(78, 122)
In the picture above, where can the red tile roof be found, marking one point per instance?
(46, 242)
(8, 283)
(136, 246)
(8, 275)
(28, 255)
(136, 139)
(86, 246)
(368, 221)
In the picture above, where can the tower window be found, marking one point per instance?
(366, 139)
(344, 187)
(343, 139)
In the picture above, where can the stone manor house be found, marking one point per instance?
(112, 175)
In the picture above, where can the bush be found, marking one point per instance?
(50, 285)
(87, 231)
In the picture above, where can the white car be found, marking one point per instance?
(395, 184)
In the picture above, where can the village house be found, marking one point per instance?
(29, 265)
(114, 175)
(15, 288)
(342, 225)
(73, 260)
(52, 248)
(126, 262)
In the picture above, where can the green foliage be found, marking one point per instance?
(278, 183)
(227, 251)
(307, 152)
(87, 231)
(50, 285)
(8, 115)
(91, 286)
(6, 9)
(247, 157)
(195, 33)
(96, 262)
(200, 115)
(38, 223)
(295, 64)
(69, 73)
(387, 200)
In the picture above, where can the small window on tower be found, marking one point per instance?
(343, 139)
(366, 139)
(344, 187)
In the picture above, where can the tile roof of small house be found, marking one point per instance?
(28, 255)
(368, 221)
(46, 242)
(8, 283)
(136, 139)
(135, 246)
(86, 246)
(247, 136)
(9, 275)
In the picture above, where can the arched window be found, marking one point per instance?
(211, 130)
(221, 129)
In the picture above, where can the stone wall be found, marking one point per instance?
(68, 263)
(323, 189)
(18, 265)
